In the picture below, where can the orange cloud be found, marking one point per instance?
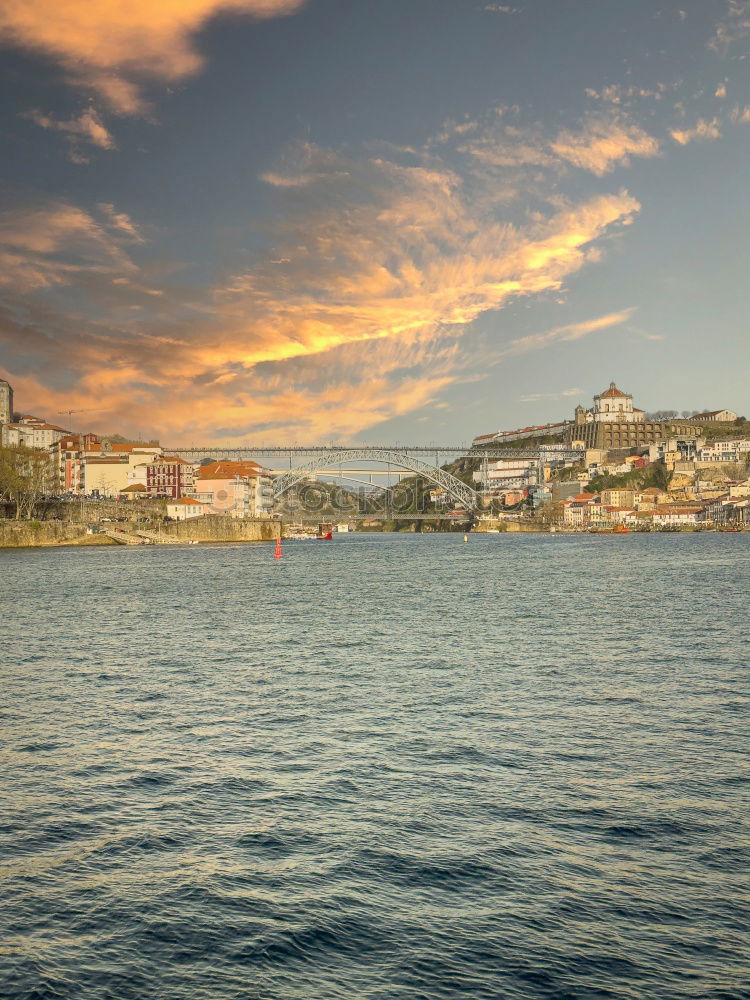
(113, 46)
(57, 243)
(601, 143)
(702, 130)
(87, 127)
(357, 315)
(604, 144)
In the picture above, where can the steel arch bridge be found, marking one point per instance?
(457, 490)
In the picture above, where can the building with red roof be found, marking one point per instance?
(240, 489)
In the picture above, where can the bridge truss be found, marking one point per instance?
(458, 491)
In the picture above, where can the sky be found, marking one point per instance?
(414, 221)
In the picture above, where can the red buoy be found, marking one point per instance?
(277, 554)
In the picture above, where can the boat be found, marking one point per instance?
(619, 529)
(327, 537)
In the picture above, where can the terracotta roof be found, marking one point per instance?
(135, 487)
(674, 508)
(129, 446)
(171, 459)
(612, 392)
(186, 502)
(228, 470)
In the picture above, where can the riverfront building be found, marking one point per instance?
(169, 476)
(240, 489)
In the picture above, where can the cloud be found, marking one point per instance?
(536, 397)
(569, 332)
(57, 243)
(733, 26)
(603, 143)
(87, 127)
(114, 47)
(621, 95)
(377, 267)
(599, 144)
(702, 130)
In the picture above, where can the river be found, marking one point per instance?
(397, 767)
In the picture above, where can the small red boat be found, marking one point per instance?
(324, 538)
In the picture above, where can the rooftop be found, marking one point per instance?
(228, 470)
(613, 392)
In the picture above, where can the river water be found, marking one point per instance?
(388, 767)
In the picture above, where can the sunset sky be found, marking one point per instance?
(371, 220)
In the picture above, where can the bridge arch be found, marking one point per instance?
(457, 490)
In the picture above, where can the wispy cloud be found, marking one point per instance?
(568, 332)
(536, 397)
(598, 144)
(86, 128)
(604, 143)
(57, 243)
(115, 47)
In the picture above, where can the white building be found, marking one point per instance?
(504, 473)
(137, 475)
(677, 515)
(716, 417)
(186, 508)
(30, 432)
(724, 451)
(613, 406)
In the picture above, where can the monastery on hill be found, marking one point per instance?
(613, 422)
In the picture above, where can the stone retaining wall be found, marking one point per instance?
(24, 534)
(212, 528)
(220, 528)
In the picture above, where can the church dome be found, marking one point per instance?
(613, 393)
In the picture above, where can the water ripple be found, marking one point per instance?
(388, 768)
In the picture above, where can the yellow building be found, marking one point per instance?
(618, 497)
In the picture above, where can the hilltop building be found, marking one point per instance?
(715, 417)
(611, 407)
(614, 423)
(30, 432)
